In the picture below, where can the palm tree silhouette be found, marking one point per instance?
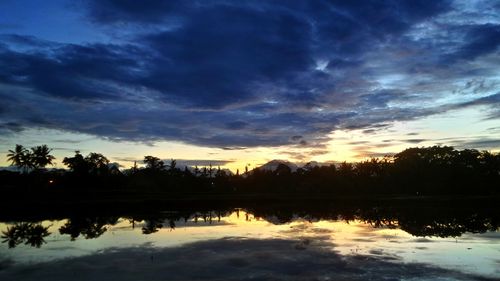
(32, 234)
(24, 159)
(41, 157)
(20, 157)
(16, 156)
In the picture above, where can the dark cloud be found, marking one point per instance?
(216, 56)
(201, 162)
(415, 141)
(487, 100)
(231, 259)
(371, 154)
(381, 99)
(11, 126)
(126, 11)
(74, 72)
(480, 40)
(65, 149)
(25, 40)
(236, 125)
(492, 101)
(243, 74)
(358, 142)
(481, 144)
(181, 163)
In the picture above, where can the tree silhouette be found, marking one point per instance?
(32, 234)
(152, 225)
(89, 228)
(20, 157)
(77, 163)
(97, 163)
(154, 163)
(172, 165)
(40, 156)
(93, 163)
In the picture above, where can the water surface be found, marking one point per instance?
(241, 244)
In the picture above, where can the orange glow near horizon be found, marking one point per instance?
(340, 145)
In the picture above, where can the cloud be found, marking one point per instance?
(75, 72)
(181, 163)
(245, 74)
(11, 127)
(26, 41)
(415, 141)
(201, 162)
(482, 144)
(209, 63)
(481, 39)
(492, 102)
(236, 125)
(129, 11)
(487, 100)
(229, 258)
(371, 154)
(5, 262)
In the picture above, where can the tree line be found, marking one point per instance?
(36, 158)
(419, 171)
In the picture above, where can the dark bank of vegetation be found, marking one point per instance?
(414, 172)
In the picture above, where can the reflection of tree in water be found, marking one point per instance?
(152, 225)
(208, 216)
(89, 228)
(155, 223)
(439, 222)
(417, 218)
(452, 227)
(29, 233)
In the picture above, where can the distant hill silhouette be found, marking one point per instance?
(274, 164)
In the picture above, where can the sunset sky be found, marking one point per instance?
(237, 83)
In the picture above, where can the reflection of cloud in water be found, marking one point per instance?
(297, 228)
(228, 258)
(166, 225)
(494, 236)
(422, 240)
(387, 236)
(364, 240)
(307, 228)
(61, 248)
(381, 254)
(366, 229)
(5, 263)
(201, 224)
(321, 230)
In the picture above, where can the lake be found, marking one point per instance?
(257, 243)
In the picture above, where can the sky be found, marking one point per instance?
(239, 83)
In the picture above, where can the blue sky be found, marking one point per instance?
(248, 81)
